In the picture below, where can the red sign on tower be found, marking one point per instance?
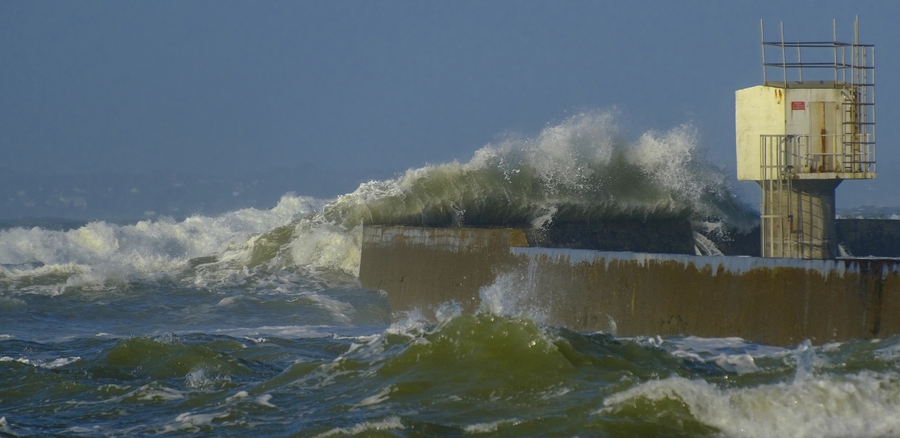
(798, 105)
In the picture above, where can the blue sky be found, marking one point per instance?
(374, 88)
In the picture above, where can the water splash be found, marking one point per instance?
(582, 169)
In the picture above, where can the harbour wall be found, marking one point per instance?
(869, 237)
(773, 301)
(423, 268)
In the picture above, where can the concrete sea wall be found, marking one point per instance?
(869, 237)
(773, 301)
(422, 268)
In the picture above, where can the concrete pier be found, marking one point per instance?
(773, 301)
(767, 300)
(422, 268)
(798, 219)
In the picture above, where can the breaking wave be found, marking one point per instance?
(582, 169)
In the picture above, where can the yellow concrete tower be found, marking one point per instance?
(803, 133)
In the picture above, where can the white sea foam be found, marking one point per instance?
(491, 427)
(101, 251)
(509, 296)
(238, 396)
(410, 323)
(285, 332)
(154, 392)
(859, 405)
(43, 363)
(731, 354)
(390, 423)
(581, 167)
(193, 422)
(199, 379)
(4, 427)
(327, 246)
(704, 246)
(340, 310)
(375, 399)
(696, 343)
(263, 400)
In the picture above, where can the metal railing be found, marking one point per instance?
(833, 64)
(788, 225)
(776, 221)
(796, 155)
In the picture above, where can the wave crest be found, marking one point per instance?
(580, 170)
(583, 169)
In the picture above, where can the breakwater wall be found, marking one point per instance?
(422, 268)
(869, 237)
(773, 301)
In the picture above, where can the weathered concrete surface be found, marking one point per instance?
(774, 301)
(670, 236)
(798, 219)
(422, 268)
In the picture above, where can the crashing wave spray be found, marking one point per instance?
(50, 261)
(582, 169)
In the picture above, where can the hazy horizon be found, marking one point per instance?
(112, 109)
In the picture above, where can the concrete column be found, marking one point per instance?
(798, 219)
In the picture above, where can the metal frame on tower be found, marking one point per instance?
(805, 133)
(853, 72)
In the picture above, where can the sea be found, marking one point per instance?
(253, 322)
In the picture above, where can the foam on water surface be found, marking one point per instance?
(862, 405)
(100, 252)
(251, 322)
(580, 169)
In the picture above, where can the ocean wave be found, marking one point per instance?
(98, 253)
(583, 169)
(860, 405)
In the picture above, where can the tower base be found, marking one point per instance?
(798, 218)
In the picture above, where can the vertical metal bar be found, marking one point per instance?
(872, 97)
(860, 77)
(863, 116)
(834, 47)
(783, 61)
(844, 64)
(763, 199)
(799, 63)
(787, 181)
(801, 230)
(791, 239)
(856, 50)
(780, 175)
(762, 45)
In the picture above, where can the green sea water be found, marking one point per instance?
(253, 322)
(326, 360)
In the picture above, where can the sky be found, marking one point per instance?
(316, 97)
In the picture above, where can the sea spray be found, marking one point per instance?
(99, 252)
(582, 169)
(251, 372)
